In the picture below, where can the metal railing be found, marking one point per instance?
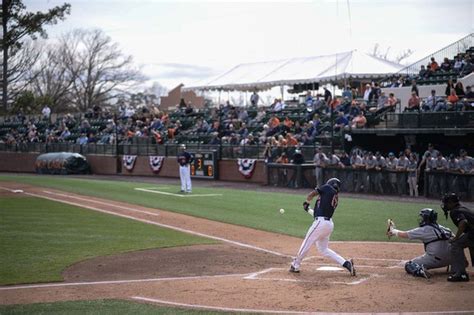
(447, 52)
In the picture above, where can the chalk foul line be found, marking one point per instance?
(176, 195)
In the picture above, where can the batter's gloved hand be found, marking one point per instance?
(306, 206)
(390, 228)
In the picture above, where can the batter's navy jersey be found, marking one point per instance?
(327, 201)
(184, 158)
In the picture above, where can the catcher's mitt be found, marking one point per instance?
(390, 227)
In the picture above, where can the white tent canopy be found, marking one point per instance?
(319, 69)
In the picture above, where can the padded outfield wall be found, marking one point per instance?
(111, 165)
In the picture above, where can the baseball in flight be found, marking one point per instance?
(282, 210)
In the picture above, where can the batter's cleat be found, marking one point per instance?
(349, 265)
(294, 270)
(423, 273)
(463, 277)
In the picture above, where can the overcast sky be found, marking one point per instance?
(187, 41)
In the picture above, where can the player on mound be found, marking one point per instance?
(435, 237)
(322, 227)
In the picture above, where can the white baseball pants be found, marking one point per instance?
(318, 234)
(185, 176)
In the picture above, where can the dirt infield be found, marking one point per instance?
(246, 271)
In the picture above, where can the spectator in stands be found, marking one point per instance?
(433, 65)
(430, 102)
(413, 103)
(449, 87)
(65, 134)
(309, 100)
(446, 65)
(83, 139)
(452, 100)
(182, 104)
(347, 93)
(46, 112)
(277, 105)
(468, 66)
(341, 122)
(367, 91)
(382, 101)
(423, 72)
(414, 88)
(327, 96)
(469, 93)
(459, 88)
(374, 93)
(359, 121)
(254, 98)
(354, 110)
(392, 100)
(457, 64)
(412, 175)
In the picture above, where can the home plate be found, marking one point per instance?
(329, 268)
(16, 191)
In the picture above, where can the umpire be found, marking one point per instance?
(463, 218)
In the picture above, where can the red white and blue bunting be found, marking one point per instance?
(156, 162)
(246, 167)
(129, 161)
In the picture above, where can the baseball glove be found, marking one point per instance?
(390, 227)
(306, 206)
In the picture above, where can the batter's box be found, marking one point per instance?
(322, 275)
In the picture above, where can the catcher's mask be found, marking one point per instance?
(334, 183)
(427, 216)
(449, 201)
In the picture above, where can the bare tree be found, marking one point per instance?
(51, 79)
(21, 62)
(376, 52)
(98, 69)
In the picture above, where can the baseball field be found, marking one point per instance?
(93, 246)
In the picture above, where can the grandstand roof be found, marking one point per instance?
(318, 69)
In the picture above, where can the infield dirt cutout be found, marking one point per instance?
(247, 270)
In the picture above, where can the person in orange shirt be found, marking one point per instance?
(433, 65)
(288, 123)
(290, 140)
(453, 98)
(359, 121)
(274, 122)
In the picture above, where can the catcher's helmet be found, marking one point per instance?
(428, 216)
(334, 183)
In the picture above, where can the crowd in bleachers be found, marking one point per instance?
(433, 72)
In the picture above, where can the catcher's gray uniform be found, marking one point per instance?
(437, 247)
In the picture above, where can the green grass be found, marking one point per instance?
(99, 307)
(355, 219)
(39, 238)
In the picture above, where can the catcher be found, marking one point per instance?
(435, 238)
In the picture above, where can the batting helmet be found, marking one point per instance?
(428, 216)
(334, 183)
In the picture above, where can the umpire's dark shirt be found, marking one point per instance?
(461, 213)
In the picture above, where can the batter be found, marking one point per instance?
(322, 227)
